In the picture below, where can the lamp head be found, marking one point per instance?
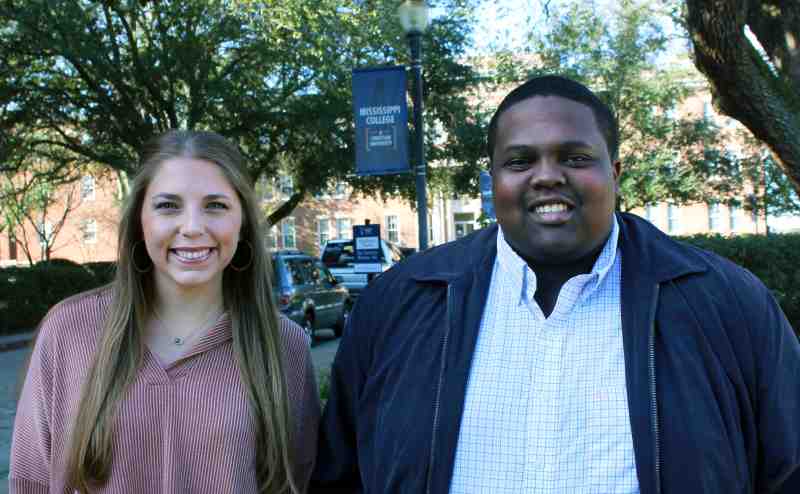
(414, 16)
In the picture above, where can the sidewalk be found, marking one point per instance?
(14, 341)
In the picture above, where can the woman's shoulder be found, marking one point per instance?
(77, 315)
(292, 335)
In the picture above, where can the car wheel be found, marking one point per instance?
(338, 329)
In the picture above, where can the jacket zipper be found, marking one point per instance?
(437, 402)
(653, 402)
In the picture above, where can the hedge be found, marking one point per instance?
(26, 294)
(774, 259)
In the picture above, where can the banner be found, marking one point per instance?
(381, 118)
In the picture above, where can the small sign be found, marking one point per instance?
(367, 248)
(487, 202)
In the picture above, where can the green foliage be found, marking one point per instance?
(93, 81)
(773, 259)
(324, 385)
(618, 52)
(26, 294)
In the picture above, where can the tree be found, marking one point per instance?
(665, 156)
(92, 81)
(29, 202)
(750, 52)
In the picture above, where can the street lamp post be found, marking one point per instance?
(414, 19)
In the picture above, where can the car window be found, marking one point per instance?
(325, 275)
(302, 271)
(338, 255)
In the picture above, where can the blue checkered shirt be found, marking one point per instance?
(546, 407)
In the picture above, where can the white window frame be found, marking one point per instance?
(344, 233)
(286, 185)
(323, 236)
(673, 218)
(339, 190)
(734, 217)
(649, 213)
(714, 217)
(89, 231)
(88, 187)
(47, 228)
(392, 223)
(469, 225)
(272, 237)
(289, 233)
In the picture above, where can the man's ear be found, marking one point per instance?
(616, 170)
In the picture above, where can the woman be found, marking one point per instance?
(179, 376)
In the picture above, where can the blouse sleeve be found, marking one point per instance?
(31, 440)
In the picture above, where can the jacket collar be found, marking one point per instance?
(645, 249)
(652, 254)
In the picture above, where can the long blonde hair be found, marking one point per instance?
(247, 297)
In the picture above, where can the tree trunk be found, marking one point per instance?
(759, 90)
(286, 208)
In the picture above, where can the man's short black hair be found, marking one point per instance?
(554, 85)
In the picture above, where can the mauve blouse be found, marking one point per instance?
(184, 427)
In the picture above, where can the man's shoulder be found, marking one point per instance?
(689, 263)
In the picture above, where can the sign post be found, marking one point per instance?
(367, 248)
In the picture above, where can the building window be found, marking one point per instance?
(735, 213)
(272, 237)
(464, 224)
(323, 231)
(286, 185)
(89, 231)
(265, 187)
(344, 228)
(392, 228)
(12, 246)
(287, 227)
(87, 188)
(339, 190)
(673, 220)
(708, 111)
(714, 217)
(45, 232)
(650, 213)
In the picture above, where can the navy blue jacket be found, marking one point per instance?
(712, 369)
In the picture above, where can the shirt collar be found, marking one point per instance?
(516, 271)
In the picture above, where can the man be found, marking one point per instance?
(570, 349)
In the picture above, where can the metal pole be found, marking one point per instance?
(419, 136)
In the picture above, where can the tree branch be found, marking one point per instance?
(743, 85)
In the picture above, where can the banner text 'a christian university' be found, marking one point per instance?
(381, 120)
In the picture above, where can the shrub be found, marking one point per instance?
(102, 271)
(57, 262)
(774, 259)
(26, 294)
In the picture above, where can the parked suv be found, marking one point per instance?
(308, 293)
(338, 256)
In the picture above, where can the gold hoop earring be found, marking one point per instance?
(133, 258)
(241, 268)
